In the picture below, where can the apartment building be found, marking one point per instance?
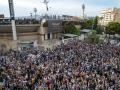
(108, 15)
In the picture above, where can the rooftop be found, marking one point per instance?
(85, 30)
(70, 35)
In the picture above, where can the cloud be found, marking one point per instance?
(4, 2)
(70, 7)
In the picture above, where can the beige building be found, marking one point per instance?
(30, 33)
(108, 15)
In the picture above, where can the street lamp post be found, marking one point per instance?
(35, 10)
(31, 16)
(12, 17)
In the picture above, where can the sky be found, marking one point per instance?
(59, 7)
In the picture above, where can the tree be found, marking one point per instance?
(92, 23)
(118, 28)
(100, 29)
(70, 28)
(95, 23)
(113, 28)
(87, 24)
(93, 37)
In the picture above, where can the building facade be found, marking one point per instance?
(109, 15)
(30, 33)
(1, 16)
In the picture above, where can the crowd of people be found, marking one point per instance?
(76, 65)
(20, 21)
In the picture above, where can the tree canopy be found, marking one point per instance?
(113, 28)
(95, 23)
(70, 28)
(92, 23)
(93, 37)
(87, 24)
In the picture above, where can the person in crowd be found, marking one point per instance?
(76, 65)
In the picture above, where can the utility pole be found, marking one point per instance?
(12, 18)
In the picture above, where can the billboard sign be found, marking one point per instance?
(54, 26)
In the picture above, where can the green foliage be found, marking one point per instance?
(118, 29)
(70, 28)
(87, 24)
(113, 28)
(99, 29)
(95, 23)
(92, 23)
(93, 37)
